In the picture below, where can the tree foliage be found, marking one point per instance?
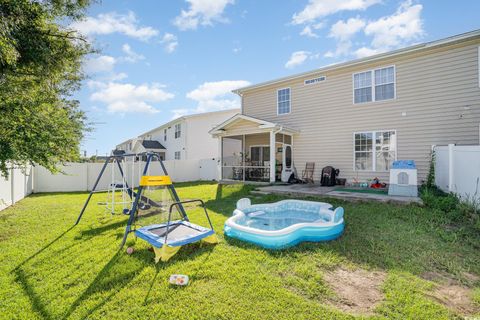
(40, 69)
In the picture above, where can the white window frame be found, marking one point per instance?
(259, 146)
(374, 149)
(179, 131)
(164, 134)
(373, 84)
(179, 155)
(290, 101)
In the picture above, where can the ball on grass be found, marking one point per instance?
(130, 250)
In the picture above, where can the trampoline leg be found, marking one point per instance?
(165, 253)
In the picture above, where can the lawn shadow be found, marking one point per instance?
(43, 249)
(108, 279)
(37, 304)
(224, 202)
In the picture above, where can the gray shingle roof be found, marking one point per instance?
(152, 144)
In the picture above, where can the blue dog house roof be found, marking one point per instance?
(404, 164)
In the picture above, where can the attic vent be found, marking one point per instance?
(315, 80)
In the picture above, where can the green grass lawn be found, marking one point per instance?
(51, 270)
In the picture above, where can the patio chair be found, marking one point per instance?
(307, 174)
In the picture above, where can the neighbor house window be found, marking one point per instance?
(164, 134)
(259, 154)
(177, 155)
(375, 150)
(374, 85)
(283, 101)
(178, 130)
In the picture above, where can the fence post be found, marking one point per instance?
(12, 185)
(451, 174)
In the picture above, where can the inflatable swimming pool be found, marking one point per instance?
(284, 223)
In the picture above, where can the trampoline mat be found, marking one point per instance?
(176, 232)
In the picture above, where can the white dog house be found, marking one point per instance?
(403, 179)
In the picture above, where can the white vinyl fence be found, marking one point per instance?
(82, 177)
(18, 185)
(457, 169)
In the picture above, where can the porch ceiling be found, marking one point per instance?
(242, 124)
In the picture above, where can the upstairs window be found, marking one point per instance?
(164, 134)
(178, 130)
(283, 101)
(374, 85)
(362, 87)
(384, 84)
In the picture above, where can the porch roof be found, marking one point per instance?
(241, 124)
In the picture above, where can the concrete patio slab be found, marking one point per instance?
(303, 190)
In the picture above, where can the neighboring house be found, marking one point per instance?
(358, 116)
(185, 138)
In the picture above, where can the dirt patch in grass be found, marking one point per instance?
(456, 297)
(453, 294)
(357, 291)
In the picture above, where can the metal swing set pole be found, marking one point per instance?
(94, 189)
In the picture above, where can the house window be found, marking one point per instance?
(177, 155)
(178, 130)
(283, 101)
(259, 154)
(164, 134)
(362, 87)
(374, 85)
(375, 151)
(384, 84)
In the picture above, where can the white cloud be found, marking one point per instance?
(99, 64)
(213, 96)
(345, 30)
(365, 52)
(112, 22)
(308, 31)
(389, 32)
(297, 58)
(126, 97)
(170, 42)
(202, 12)
(131, 56)
(397, 29)
(316, 9)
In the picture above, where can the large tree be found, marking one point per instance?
(40, 69)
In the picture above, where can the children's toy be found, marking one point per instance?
(178, 279)
(284, 223)
(403, 179)
(166, 230)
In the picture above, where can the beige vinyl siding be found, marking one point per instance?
(437, 89)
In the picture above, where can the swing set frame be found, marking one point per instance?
(137, 197)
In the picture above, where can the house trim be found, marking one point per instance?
(374, 58)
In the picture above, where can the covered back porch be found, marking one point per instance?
(254, 150)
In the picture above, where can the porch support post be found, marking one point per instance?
(220, 161)
(243, 157)
(272, 156)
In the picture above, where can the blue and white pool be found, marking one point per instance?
(285, 223)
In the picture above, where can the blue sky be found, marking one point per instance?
(161, 59)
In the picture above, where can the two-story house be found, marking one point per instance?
(357, 116)
(184, 138)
